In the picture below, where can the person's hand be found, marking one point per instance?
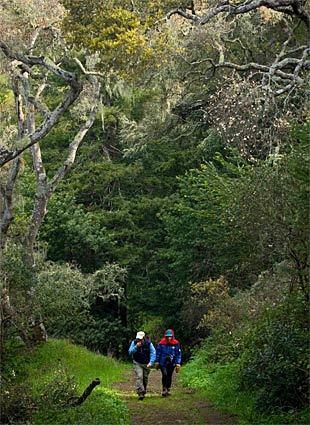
(139, 343)
(149, 365)
(177, 368)
(156, 366)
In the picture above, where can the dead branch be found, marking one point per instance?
(77, 401)
(287, 70)
(75, 88)
(289, 7)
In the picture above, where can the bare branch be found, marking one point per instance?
(277, 72)
(43, 129)
(51, 118)
(259, 67)
(78, 139)
(47, 63)
(45, 188)
(40, 106)
(190, 16)
(95, 73)
(291, 7)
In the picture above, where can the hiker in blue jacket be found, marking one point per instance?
(143, 354)
(168, 359)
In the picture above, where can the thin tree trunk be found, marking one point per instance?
(8, 314)
(7, 189)
(6, 197)
(45, 187)
(41, 196)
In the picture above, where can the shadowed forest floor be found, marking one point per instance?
(184, 406)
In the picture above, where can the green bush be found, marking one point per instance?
(41, 382)
(255, 363)
(59, 391)
(104, 335)
(275, 359)
(17, 404)
(62, 294)
(83, 307)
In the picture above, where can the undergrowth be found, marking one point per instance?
(220, 384)
(56, 372)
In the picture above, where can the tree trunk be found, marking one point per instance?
(8, 314)
(6, 204)
(45, 187)
(38, 214)
(6, 190)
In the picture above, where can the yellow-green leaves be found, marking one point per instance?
(124, 33)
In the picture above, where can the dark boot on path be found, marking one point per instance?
(168, 392)
(141, 395)
(164, 392)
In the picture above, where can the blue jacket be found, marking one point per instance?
(144, 354)
(168, 354)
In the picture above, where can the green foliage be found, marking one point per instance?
(221, 385)
(62, 294)
(195, 225)
(17, 405)
(153, 326)
(275, 358)
(119, 32)
(81, 234)
(86, 308)
(255, 363)
(240, 221)
(14, 271)
(58, 370)
(59, 391)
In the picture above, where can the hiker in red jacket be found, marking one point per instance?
(168, 358)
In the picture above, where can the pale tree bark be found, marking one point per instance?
(29, 135)
(280, 77)
(295, 8)
(7, 188)
(6, 204)
(9, 315)
(46, 187)
(285, 73)
(50, 118)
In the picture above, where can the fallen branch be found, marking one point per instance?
(77, 401)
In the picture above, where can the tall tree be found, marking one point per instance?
(32, 75)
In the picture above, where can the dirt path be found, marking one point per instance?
(183, 407)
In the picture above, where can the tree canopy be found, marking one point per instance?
(155, 173)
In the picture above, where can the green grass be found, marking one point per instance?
(218, 383)
(62, 361)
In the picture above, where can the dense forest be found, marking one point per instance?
(154, 173)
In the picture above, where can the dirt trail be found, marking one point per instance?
(183, 407)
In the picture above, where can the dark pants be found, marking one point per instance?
(167, 372)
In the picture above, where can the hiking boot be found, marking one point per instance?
(141, 394)
(168, 391)
(164, 392)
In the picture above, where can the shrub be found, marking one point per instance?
(62, 293)
(59, 391)
(275, 359)
(84, 307)
(17, 405)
